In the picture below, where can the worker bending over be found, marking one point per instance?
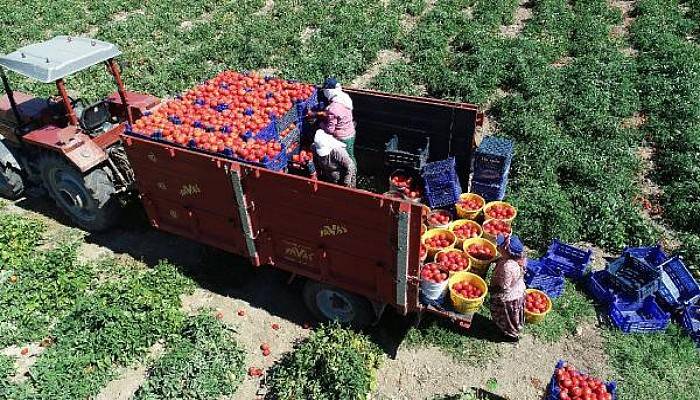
(332, 162)
(337, 119)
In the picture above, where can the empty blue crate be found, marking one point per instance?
(291, 117)
(493, 154)
(490, 191)
(554, 391)
(441, 183)
(654, 255)
(542, 277)
(442, 195)
(571, 260)
(634, 277)
(691, 322)
(677, 287)
(644, 317)
(600, 285)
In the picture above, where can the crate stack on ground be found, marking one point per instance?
(490, 168)
(643, 288)
(541, 275)
(441, 183)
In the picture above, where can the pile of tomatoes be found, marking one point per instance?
(432, 273)
(453, 261)
(536, 302)
(471, 204)
(406, 185)
(227, 115)
(466, 231)
(438, 218)
(304, 157)
(575, 385)
(481, 251)
(468, 290)
(500, 211)
(439, 241)
(289, 129)
(495, 227)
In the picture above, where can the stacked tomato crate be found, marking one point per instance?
(240, 116)
(491, 165)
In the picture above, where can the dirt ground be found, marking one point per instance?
(228, 285)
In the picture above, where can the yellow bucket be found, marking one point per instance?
(469, 214)
(433, 212)
(432, 232)
(501, 203)
(462, 304)
(489, 236)
(534, 318)
(469, 261)
(478, 266)
(456, 224)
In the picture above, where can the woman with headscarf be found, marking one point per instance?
(337, 119)
(332, 162)
(508, 287)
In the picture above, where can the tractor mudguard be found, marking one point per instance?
(86, 156)
(7, 158)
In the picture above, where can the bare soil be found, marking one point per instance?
(384, 58)
(522, 14)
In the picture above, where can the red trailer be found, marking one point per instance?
(358, 250)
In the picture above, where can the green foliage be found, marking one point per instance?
(203, 362)
(690, 251)
(18, 237)
(108, 328)
(663, 366)
(569, 311)
(334, 363)
(396, 77)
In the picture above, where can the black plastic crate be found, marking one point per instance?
(634, 276)
(406, 154)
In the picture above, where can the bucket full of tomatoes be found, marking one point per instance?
(464, 229)
(423, 254)
(537, 306)
(436, 240)
(500, 210)
(467, 292)
(481, 252)
(433, 282)
(494, 227)
(439, 219)
(469, 205)
(452, 260)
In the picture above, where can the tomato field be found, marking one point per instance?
(602, 99)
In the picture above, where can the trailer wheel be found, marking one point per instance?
(330, 303)
(11, 183)
(88, 200)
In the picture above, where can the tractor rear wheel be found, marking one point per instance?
(11, 183)
(87, 199)
(330, 303)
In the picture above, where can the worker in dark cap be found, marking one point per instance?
(508, 287)
(337, 119)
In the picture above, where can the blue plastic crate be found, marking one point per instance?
(291, 117)
(267, 133)
(634, 317)
(542, 277)
(442, 195)
(440, 172)
(691, 322)
(494, 154)
(600, 285)
(490, 191)
(677, 287)
(304, 105)
(654, 255)
(489, 176)
(292, 141)
(634, 277)
(553, 389)
(571, 260)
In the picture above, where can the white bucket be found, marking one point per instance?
(433, 291)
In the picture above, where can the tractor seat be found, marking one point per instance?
(95, 117)
(30, 107)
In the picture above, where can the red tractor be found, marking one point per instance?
(71, 147)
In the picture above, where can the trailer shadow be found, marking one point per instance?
(217, 271)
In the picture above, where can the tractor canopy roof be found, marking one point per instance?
(58, 57)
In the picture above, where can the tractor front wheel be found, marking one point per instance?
(11, 183)
(87, 199)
